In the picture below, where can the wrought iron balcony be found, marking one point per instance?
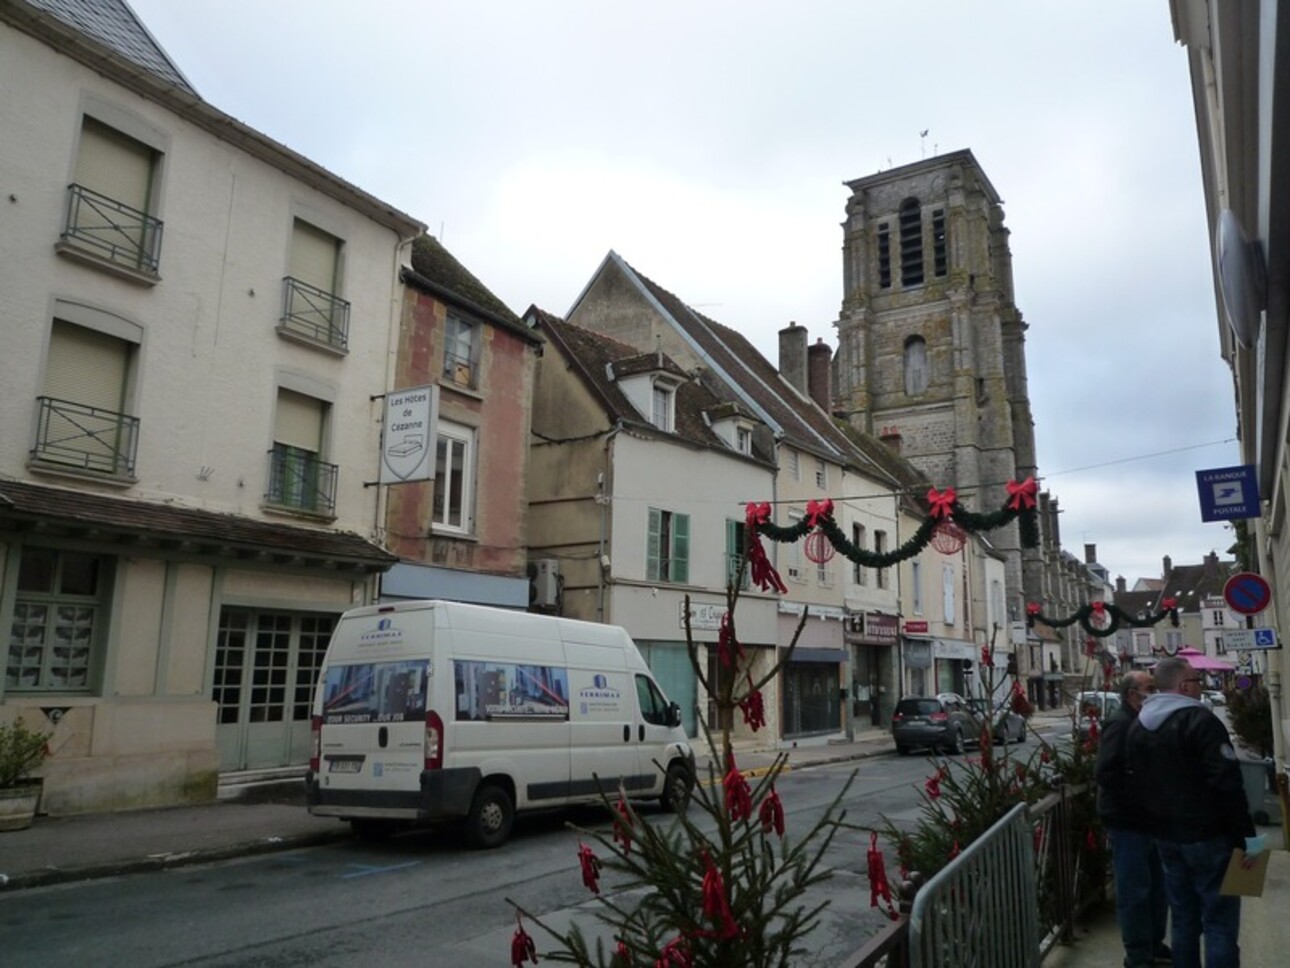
(300, 481)
(114, 231)
(87, 438)
(317, 315)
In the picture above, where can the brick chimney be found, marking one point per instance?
(792, 355)
(1168, 567)
(1121, 586)
(819, 374)
(1211, 565)
(1090, 554)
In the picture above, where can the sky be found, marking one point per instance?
(707, 142)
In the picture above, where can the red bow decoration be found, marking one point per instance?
(715, 904)
(522, 947)
(879, 889)
(771, 813)
(1168, 604)
(590, 868)
(942, 502)
(815, 510)
(1033, 608)
(755, 514)
(1099, 608)
(1022, 496)
(738, 794)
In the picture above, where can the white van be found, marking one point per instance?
(430, 711)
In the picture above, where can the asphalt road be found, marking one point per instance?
(421, 899)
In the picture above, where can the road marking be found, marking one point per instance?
(364, 869)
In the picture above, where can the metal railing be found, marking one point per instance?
(84, 437)
(117, 232)
(1022, 884)
(459, 369)
(300, 481)
(314, 313)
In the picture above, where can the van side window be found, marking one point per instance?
(653, 705)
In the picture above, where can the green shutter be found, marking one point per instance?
(680, 548)
(653, 546)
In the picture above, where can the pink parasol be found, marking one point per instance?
(1199, 660)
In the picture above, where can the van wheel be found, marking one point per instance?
(365, 828)
(491, 815)
(676, 789)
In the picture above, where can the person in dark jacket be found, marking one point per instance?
(1140, 905)
(1182, 769)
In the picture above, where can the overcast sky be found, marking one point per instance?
(707, 143)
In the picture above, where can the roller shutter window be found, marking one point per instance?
(299, 422)
(314, 256)
(121, 169)
(297, 445)
(85, 369)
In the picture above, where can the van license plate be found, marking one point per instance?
(338, 765)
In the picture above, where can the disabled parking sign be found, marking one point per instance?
(1228, 493)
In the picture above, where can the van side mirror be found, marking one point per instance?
(673, 714)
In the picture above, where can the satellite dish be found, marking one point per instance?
(1240, 278)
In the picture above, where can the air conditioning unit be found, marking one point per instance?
(546, 582)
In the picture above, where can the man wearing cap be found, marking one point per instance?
(1182, 769)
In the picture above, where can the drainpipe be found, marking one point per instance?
(604, 492)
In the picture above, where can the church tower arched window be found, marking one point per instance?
(915, 365)
(911, 243)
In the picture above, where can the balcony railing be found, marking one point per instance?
(459, 370)
(116, 232)
(317, 315)
(87, 438)
(300, 481)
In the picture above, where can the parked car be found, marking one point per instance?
(1007, 726)
(1094, 705)
(940, 722)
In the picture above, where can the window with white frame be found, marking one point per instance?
(794, 464)
(60, 618)
(1218, 616)
(743, 440)
(1142, 643)
(793, 550)
(454, 481)
(663, 406)
(1173, 641)
(947, 594)
(821, 474)
(667, 550)
(299, 478)
(880, 548)
(312, 309)
(916, 583)
(461, 351)
(859, 573)
(824, 573)
(736, 536)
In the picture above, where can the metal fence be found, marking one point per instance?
(1009, 899)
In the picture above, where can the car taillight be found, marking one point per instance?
(939, 717)
(897, 717)
(434, 741)
(315, 748)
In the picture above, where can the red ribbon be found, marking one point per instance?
(715, 905)
(738, 794)
(815, 510)
(1022, 496)
(760, 570)
(755, 514)
(879, 889)
(942, 502)
(522, 946)
(590, 868)
(771, 813)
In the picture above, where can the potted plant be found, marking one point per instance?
(22, 750)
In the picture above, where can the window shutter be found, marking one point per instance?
(86, 367)
(313, 256)
(680, 548)
(653, 544)
(114, 165)
(298, 422)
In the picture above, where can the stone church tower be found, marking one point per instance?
(931, 346)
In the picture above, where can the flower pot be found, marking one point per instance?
(18, 806)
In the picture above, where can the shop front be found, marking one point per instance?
(871, 638)
(955, 665)
(814, 675)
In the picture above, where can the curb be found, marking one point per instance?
(44, 877)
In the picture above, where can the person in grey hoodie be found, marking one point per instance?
(1140, 906)
(1182, 770)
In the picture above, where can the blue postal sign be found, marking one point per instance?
(1228, 493)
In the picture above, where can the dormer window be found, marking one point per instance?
(743, 440)
(663, 406)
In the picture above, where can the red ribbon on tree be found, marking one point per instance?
(590, 868)
(728, 647)
(879, 889)
(738, 794)
(771, 813)
(933, 783)
(942, 502)
(815, 510)
(675, 954)
(623, 826)
(753, 708)
(522, 947)
(715, 905)
(987, 657)
(1022, 496)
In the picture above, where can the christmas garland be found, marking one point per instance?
(1103, 611)
(945, 508)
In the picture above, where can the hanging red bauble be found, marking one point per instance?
(948, 538)
(818, 547)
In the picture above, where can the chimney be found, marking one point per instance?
(1121, 586)
(1090, 554)
(1211, 564)
(819, 374)
(792, 355)
(1169, 566)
